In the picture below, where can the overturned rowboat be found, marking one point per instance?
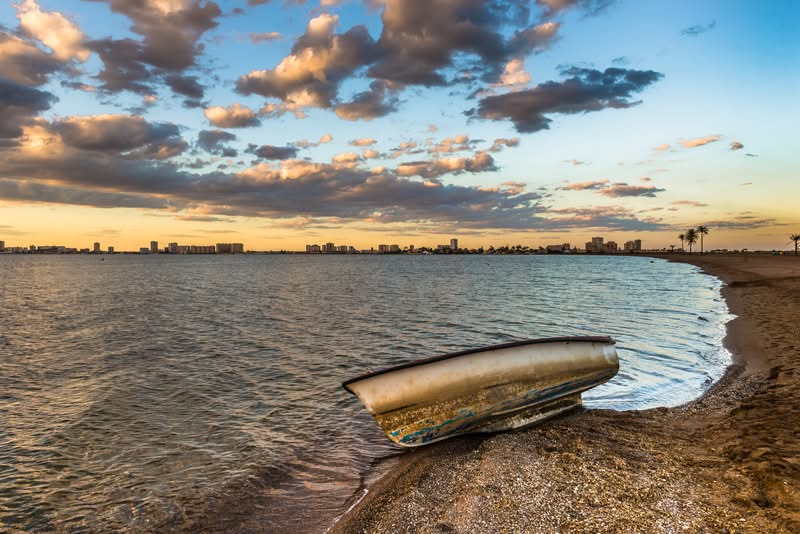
(490, 389)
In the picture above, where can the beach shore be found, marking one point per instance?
(729, 461)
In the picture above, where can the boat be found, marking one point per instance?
(489, 389)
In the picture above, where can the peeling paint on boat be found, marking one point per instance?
(484, 390)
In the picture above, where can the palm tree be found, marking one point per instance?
(691, 238)
(702, 230)
(682, 237)
(796, 239)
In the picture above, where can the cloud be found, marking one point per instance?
(368, 153)
(434, 168)
(698, 29)
(602, 217)
(586, 90)
(583, 186)
(23, 62)
(662, 148)
(273, 152)
(736, 145)
(233, 116)
(362, 142)
(30, 191)
(54, 30)
(744, 222)
(19, 105)
(420, 40)
(613, 190)
(625, 190)
(79, 86)
(591, 7)
(213, 141)
(185, 85)
(420, 44)
(320, 59)
(170, 28)
(200, 218)
(345, 158)
(368, 105)
(113, 132)
(514, 74)
(689, 203)
(449, 145)
(289, 189)
(305, 143)
(700, 141)
(498, 144)
(170, 31)
(264, 37)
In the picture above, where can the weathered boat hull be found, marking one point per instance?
(484, 390)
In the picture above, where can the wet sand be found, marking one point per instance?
(729, 461)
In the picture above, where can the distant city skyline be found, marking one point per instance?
(281, 123)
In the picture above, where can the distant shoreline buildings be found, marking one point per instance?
(172, 248)
(597, 245)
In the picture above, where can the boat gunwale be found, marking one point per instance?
(568, 339)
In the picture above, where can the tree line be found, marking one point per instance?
(692, 235)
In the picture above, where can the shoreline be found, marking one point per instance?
(728, 460)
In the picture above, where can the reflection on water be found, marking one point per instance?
(143, 392)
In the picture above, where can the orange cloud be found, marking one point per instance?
(700, 141)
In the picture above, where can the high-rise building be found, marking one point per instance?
(110, 250)
(96, 249)
(173, 248)
(454, 244)
(383, 248)
(634, 245)
(597, 243)
(230, 248)
(2, 246)
(154, 247)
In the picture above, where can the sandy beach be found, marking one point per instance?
(729, 461)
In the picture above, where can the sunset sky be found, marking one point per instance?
(286, 122)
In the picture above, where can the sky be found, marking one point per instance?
(281, 123)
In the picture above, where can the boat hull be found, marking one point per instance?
(485, 390)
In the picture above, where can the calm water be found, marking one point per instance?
(142, 392)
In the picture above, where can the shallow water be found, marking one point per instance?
(137, 392)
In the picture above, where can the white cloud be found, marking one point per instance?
(234, 116)
(54, 30)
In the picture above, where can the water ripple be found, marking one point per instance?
(144, 392)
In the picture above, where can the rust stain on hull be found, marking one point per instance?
(488, 390)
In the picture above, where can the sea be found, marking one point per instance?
(151, 393)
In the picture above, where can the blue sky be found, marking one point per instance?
(496, 121)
